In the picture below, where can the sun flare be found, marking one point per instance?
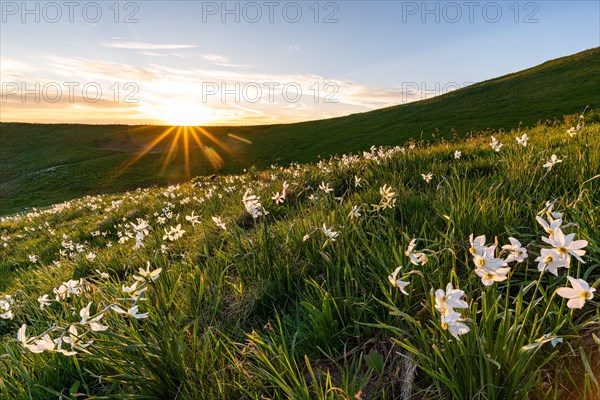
(184, 114)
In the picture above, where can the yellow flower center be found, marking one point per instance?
(488, 275)
(472, 250)
(444, 326)
(480, 262)
(586, 295)
(548, 259)
(562, 250)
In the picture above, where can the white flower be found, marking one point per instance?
(142, 226)
(146, 275)
(551, 260)
(446, 302)
(33, 258)
(253, 205)
(355, 212)
(453, 324)
(517, 252)
(91, 256)
(578, 294)
(549, 227)
(103, 275)
(477, 245)
(357, 181)
(174, 233)
(325, 187)
(427, 177)
(397, 282)
(551, 162)
(331, 235)
(388, 197)
(278, 198)
(523, 140)
(44, 301)
(566, 246)
(219, 223)
(457, 154)
(487, 260)
(306, 237)
(496, 145)
(193, 219)
(488, 277)
(133, 312)
(416, 258)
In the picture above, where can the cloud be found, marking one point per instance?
(162, 84)
(215, 58)
(147, 46)
(296, 47)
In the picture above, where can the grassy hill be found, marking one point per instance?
(143, 295)
(41, 164)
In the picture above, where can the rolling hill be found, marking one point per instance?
(42, 164)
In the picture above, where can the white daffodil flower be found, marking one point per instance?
(578, 294)
(397, 282)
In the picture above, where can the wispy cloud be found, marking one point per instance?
(147, 46)
(296, 47)
(215, 58)
(158, 85)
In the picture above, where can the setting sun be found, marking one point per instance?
(184, 114)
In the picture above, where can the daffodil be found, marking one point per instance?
(397, 282)
(447, 301)
(416, 257)
(552, 162)
(487, 260)
(523, 140)
(174, 233)
(477, 245)
(578, 294)
(219, 223)
(147, 275)
(489, 277)
(551, 260)
(496, 145)
(331, 235)
(453, 324)
(193, 219)
(517, 252)
(566, 246)
(44, 301)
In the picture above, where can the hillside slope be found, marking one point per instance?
(179, 293)
(41, 164)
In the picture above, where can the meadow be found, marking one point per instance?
(460, 269)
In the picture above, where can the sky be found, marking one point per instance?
(265, 62)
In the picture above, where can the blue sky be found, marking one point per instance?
(182, 56)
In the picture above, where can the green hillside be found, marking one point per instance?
(179, 293)
(42, 164)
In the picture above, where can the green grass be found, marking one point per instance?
(44, 164)
(256, 311)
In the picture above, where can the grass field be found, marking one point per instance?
(203, 291)
(43, 164)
